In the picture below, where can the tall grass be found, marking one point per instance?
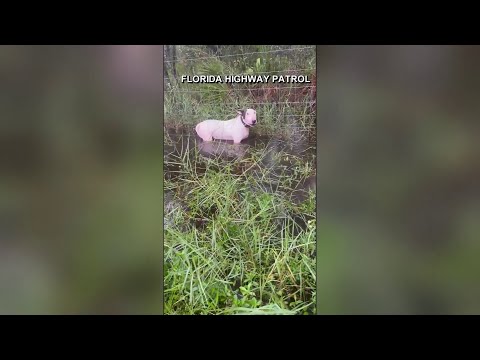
(186, 104)
(230, 246)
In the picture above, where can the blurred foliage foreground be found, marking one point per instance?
(398, 196)
(81, 191)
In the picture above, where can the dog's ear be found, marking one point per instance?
(241, 112)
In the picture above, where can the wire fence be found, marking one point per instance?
(244, 89)
(186, 102)
(243, 54)
(281, 116)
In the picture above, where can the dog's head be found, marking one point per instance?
(249, 117)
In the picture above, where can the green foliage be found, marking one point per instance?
(237, 249)
(188, 103)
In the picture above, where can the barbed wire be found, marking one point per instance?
(280, 102)
(282, 115)
(239, 54)
(243, 89)
(279, 109)
(274, 71)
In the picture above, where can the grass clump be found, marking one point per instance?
(232, 247)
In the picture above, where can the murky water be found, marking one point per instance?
(283, 167)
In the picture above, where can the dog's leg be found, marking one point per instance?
(206, 138)
(237, 140)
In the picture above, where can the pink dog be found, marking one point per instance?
(235, 129)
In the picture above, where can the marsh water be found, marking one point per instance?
(283, 167)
